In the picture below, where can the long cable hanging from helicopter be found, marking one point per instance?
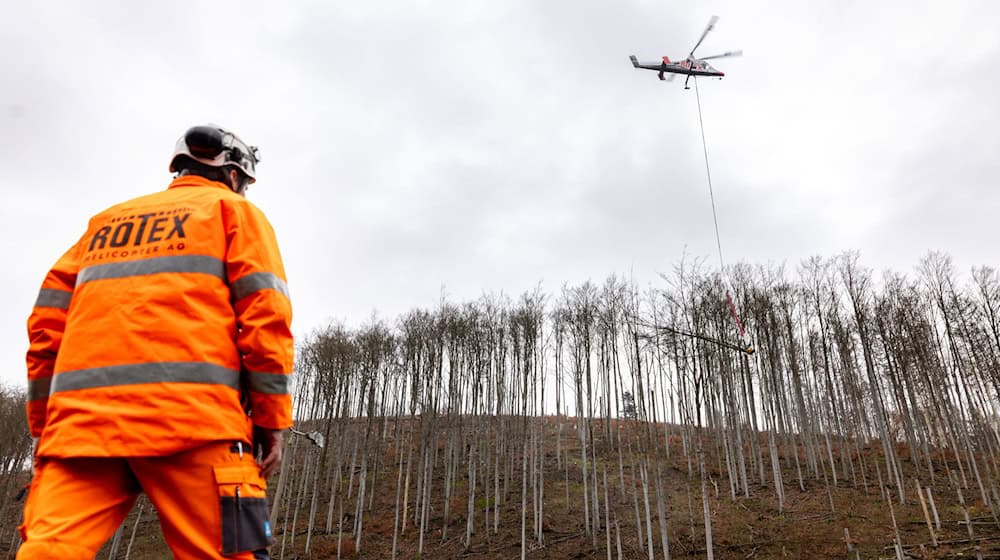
(693, 67)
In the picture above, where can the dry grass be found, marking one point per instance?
(743, 528)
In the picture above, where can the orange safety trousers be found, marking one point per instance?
(211, 503)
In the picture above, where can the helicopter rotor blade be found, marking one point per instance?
(711, 25)
(723, 55)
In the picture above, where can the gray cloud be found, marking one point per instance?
(411, 150)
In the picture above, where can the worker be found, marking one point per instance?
(159, 362)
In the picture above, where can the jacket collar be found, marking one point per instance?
(196, 181)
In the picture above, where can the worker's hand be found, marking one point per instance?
(269, 442)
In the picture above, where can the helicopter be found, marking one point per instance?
(690, 66)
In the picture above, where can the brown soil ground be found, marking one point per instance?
(811, 525)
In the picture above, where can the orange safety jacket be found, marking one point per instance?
(145, 332)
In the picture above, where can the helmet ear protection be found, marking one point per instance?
(217, 147)
(204, 142)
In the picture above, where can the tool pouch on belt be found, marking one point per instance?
(243, 498)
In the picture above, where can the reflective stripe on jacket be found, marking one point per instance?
(145, 332)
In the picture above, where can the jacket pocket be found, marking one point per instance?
(243, 502)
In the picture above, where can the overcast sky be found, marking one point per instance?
(411, 149)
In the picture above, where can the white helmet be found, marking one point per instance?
(215, 146)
